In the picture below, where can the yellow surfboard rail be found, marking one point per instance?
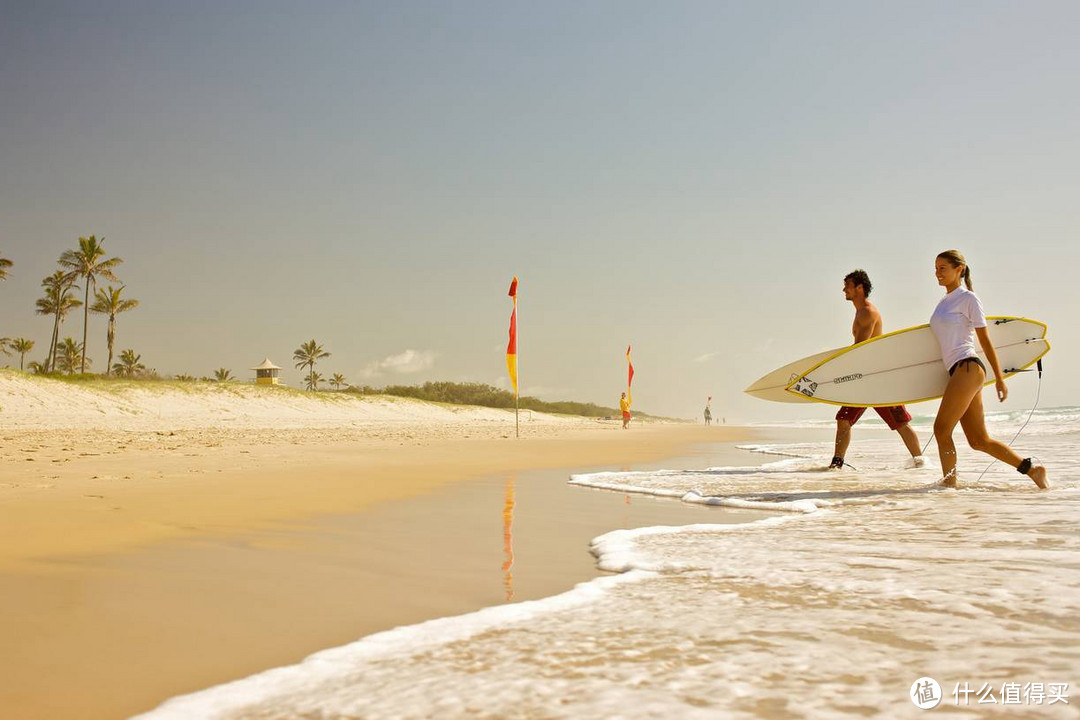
(989, 319)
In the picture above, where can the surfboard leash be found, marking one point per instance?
(1038, 394)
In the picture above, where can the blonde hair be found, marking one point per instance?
(956, 259)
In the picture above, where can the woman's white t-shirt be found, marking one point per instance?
(953, 324)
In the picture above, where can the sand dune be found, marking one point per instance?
(96, 472)
(34, 403)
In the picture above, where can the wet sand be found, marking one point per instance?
(145, 566)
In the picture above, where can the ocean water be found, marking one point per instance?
(857, 584)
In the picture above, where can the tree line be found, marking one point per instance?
(87, 263)
(79, 269)
(466, 393)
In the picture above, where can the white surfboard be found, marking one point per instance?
(773, 386)
(905, 366)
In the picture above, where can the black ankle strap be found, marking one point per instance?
(1024, 466)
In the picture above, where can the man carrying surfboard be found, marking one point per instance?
(868, 324)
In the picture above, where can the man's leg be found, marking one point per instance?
(843, 439)
(911, 440)
(845, 418)
(898, 418)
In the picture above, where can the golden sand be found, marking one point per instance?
(123, 572)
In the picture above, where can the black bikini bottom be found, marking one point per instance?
(975, 360)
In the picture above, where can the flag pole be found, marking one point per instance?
(517, 384)
(512, 357)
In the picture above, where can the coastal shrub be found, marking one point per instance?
(487, 396)
(361, 390)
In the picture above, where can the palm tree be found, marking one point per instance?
(337, 381)
(306, 356)
(223, 375)
(107, 302)
(69, 353)
(21, 346)
(4, 265)
(39, 368)
(185, 378)
(313, 380)
(129, 365)
(58, 302)
(89, 262)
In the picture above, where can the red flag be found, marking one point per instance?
(629, 375)
(511, 347)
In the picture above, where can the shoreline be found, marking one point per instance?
(99, 492)
(80, 577)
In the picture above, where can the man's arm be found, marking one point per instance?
(864, 325)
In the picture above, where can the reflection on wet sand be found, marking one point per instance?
(508, 539)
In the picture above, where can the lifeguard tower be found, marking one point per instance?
(267, 373)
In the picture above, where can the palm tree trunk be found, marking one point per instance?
(111, 337)
(52, 344)
(55, 339)
(85, 324)
(22, 357)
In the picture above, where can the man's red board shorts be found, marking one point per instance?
(626, 415)
(894, 416)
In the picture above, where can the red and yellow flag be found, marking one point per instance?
(629, 376)
(511, 348)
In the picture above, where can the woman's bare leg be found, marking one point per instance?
(974, 424)
(964, 385)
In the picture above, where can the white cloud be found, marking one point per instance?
(706, 357)
(404, 363)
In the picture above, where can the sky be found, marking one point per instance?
(691, 178)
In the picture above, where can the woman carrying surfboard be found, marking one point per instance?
(957, 320)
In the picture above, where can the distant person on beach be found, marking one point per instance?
(624, 405)
(957, 320)
(708, 411)
(868, 324)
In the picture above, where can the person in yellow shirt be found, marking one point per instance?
(624, 405)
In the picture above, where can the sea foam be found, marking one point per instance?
(860, 583)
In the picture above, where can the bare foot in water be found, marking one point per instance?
(949, 480)
(1038, 474)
